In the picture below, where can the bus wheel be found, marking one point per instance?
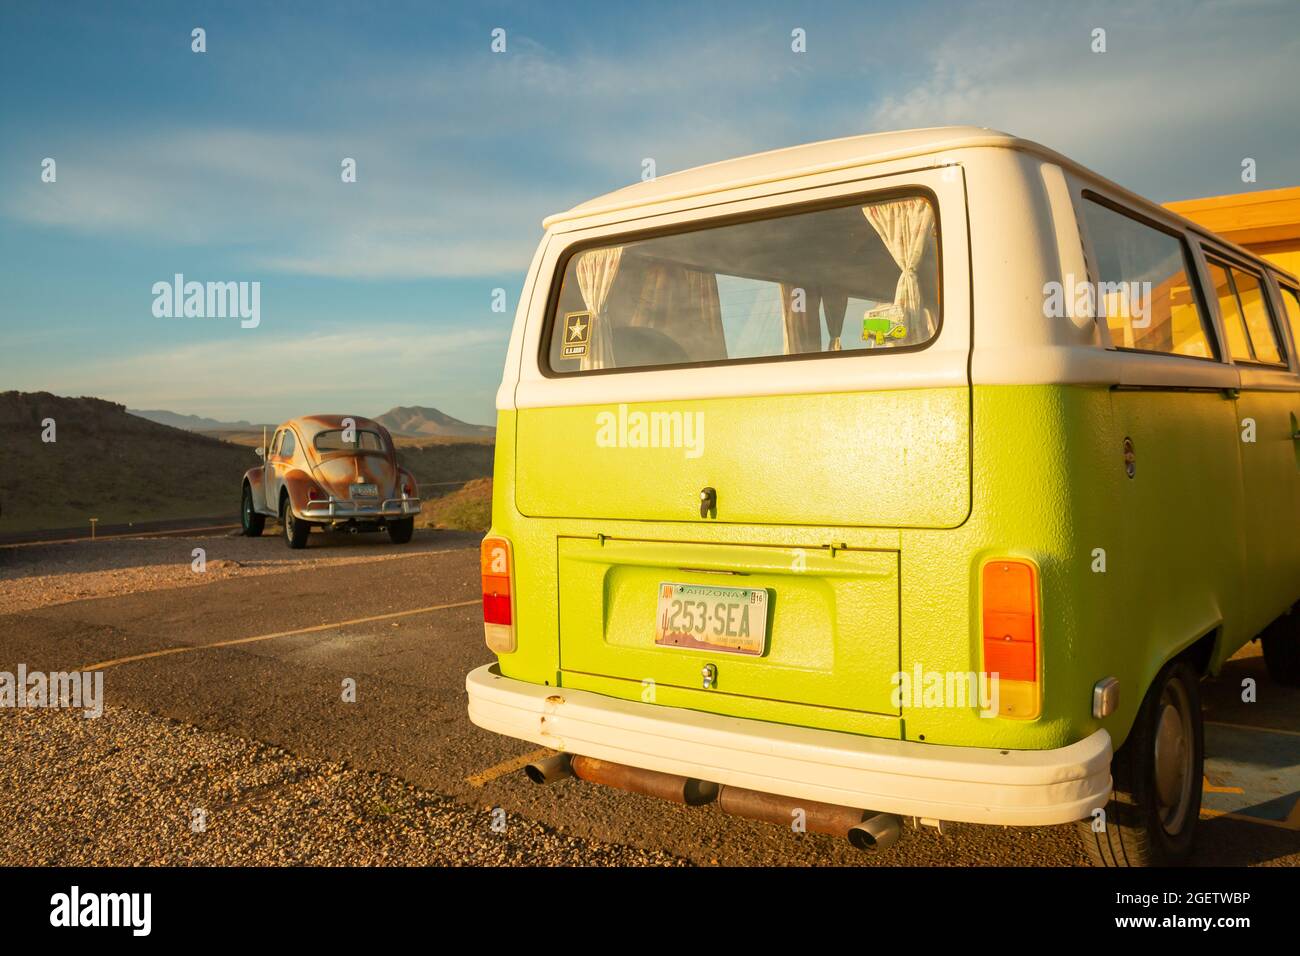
(1156, 792)
(1282, 650)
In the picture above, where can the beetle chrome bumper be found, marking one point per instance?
(339, 509)
(961, 784)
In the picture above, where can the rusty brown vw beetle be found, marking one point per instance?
(336, 471)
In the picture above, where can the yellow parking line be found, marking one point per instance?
(1265, 730)
(1207, 787)
(507, 766)
(1292, 822)
(166, 651)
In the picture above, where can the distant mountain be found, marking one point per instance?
(413, 421)
(419, 422)
(191, 423)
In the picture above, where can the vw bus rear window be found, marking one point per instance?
(856, 278)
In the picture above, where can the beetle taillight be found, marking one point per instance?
(496, 562)
(1010, 634)
(315, 494)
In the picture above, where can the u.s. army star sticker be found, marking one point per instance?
(577, 333)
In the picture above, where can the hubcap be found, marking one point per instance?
(288, 522)
(1173, 757)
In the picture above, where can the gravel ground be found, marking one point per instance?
(122, 790)
(42, 575)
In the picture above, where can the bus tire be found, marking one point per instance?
(1281, 642)
(1155, 804)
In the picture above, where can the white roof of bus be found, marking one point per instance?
(809, 159)
(794, 161)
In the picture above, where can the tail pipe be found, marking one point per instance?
(879, 831)
(550, 769)
(864, 829)
(653, 783)
(665, 786)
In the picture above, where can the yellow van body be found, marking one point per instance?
(1050, 490)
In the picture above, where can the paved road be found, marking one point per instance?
(134, 528)
(417, 635)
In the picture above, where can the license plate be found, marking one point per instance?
(711, 618)
(365, 491)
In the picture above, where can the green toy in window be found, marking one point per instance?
(882, 323)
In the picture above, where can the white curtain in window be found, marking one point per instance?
(903, 226)
(801, 329)
(596, 270)
(835, 304)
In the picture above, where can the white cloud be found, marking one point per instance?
(460, 158)
(248, 373)
(1183, 91)
(373, 257)
(279, 202)
(456, 167)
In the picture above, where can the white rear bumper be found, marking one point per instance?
(968, 784)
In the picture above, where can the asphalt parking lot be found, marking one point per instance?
(226, 737)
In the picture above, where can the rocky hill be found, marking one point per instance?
(108, 464)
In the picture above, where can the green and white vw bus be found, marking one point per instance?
(914, 475)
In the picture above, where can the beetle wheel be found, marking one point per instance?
(251, 522)
(295, 529)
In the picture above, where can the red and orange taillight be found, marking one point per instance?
(315, 494)
(1010, 634)
(496, 566)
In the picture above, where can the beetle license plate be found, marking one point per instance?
(365, 491)
(710, 618)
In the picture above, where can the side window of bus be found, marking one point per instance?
(1234, 326)
(1143, 286)
(1291, 302)
(1254, 306)
(1252, 337)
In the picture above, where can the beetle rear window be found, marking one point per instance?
(849, 279)
(334, 441)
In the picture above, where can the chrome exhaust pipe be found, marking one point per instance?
(550, 769)
(877, 832)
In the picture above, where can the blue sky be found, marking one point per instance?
(225, 166)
